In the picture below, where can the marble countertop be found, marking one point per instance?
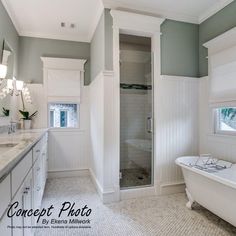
(25, 140)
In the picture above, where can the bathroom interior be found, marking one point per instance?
(126, 108)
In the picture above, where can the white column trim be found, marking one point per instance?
(141, 25)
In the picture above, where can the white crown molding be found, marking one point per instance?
(54, 36)
(213, 10)
(11, 15)
(137, 22)
(153, 11)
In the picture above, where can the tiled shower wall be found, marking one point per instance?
(135, 107)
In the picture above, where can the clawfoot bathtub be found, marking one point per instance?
(215, 191)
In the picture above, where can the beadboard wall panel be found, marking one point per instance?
(176, 120)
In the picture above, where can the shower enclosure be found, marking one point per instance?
(136, 112)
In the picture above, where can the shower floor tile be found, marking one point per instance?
(135, 177)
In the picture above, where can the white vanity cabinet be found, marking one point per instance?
(5, 197)
(25, 185)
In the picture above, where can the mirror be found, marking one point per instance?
(7, 59)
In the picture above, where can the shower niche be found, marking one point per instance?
(136, 112)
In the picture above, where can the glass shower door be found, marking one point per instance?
(136, 114)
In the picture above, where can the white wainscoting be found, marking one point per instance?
(176, 128)
(68, 150)
(220, 146)
(103, 166)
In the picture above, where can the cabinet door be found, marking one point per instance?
(27, 204)
(17, 221)
(5, 225)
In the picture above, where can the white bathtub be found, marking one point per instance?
(214, 191)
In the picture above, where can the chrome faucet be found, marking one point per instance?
(12, 127)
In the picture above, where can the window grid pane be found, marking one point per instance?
(62, 115)
(227, 119)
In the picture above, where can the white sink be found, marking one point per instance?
(6, 146)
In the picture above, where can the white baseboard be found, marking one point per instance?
(68, 173)
(96, 183)
(137, 193)
(171, 188)
(107, 196)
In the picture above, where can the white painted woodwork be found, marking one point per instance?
(68, 150)
(5, 193)
(185, 10)
(176, 130)
(20, 171)
(141, 25)
(104, 169)
(5, 222)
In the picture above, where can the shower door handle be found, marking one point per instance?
(149, 124)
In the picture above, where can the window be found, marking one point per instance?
(63, 115)
(226, 120)
(52, 118)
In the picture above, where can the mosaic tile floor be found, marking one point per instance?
(151, 216)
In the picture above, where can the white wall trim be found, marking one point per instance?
(213, 10)
(171, 188)
(136, 23)
(73, 38)
(141, 25)
(68, 173)
(174, 78)
(137, 193)
(154, 11)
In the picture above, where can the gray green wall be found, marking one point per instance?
(179, 48)
(8, 33)
(101, 45)
(217, 24)
(31, 49)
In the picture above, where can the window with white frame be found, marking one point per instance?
(63, 115)
(226, 120)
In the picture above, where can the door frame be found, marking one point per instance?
(139, 25)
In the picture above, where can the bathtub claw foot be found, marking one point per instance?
(190, 198)
(189, 205)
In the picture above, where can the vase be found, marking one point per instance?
(27, 124)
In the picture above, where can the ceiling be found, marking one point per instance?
(43, 18)
(193, 11)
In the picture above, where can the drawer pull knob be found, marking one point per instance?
(27, 188)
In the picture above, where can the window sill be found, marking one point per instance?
(225, 135)
(66, 130)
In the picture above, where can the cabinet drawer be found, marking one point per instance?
(5, 194)
(20, 172)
